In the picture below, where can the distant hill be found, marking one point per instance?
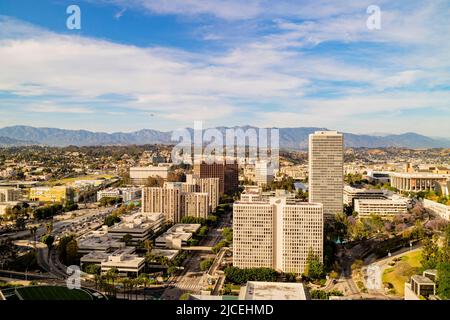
(290, 138)
(10, 142)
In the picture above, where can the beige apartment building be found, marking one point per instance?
(209, 186)
(163, 200)
(276, 234)
(326, 170)
(195, 204)
(174, 203)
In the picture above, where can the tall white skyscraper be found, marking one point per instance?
(326, 170)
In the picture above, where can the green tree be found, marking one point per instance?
(314, 268)
(111, 220)
(206, 264)
(443, 280)
(127, 239)
(62, 248)
(71, 252)
(48, 240)
(430, 254)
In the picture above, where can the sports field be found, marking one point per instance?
(69, 181)
(52, 293)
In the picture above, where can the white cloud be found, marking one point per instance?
(279, 70)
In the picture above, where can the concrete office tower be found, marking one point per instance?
(163, 200)
(326, 170)
(195, 204)
(263, 173)
(276, 234)
(228, 175)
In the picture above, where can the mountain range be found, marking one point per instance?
(290, 138)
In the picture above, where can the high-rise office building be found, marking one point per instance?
(263, 173)
(277, 234)
(227, 173)
(326, 170)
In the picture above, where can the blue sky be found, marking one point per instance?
(165, 64)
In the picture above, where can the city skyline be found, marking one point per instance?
(289, 64)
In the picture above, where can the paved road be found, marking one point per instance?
(192, 278)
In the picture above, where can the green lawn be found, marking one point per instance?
(400, 273)
(52, 293)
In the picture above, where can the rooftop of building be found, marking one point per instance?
(123, 260)
(419, 175)
(137, 221)
(273, 291)
(362, 190)
(169, 254)
(184, 228)
(421, 279)
(100, 256)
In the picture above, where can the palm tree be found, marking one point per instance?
(143, 277)
(113, 274)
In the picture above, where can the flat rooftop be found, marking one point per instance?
(169, 254)
(422, 280)
(419, 175)
(184, 228)
(273, 291)
(101, 256)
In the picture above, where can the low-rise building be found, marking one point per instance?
(126, 264)
(127, 194)
(97, 257)
(350, 194)
(4, 206)
(140, 226)
(417, 181)
(59, 194)
(98, 241)
(439, 209)
(140, 175)
(10, 194)
(381, 207)
(177, 236)
(419, 287)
